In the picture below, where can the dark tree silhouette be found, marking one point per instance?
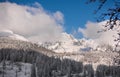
(112, 14)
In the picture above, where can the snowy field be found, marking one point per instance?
(8, 69)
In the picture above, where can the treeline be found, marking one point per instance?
(44, 66)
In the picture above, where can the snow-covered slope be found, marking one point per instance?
(17, 69)
(68, 44)
(10, 34)
(87, 51)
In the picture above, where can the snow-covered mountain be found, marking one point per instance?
(68, 44)
(68, 54)
(87, 51)
(64, 44)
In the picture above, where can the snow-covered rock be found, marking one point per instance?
(71, 48)
(68, 44)
(84, 50)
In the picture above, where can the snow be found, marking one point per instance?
(68, 44)
(84, 50)
(18, 37)
(65, 44)
(93, 57)
(5, 33)
(74, 48)
(9, 33)
(15, 69)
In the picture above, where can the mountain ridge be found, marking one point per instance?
(67, 47)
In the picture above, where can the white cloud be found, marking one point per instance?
(91, 32)
(33, 23)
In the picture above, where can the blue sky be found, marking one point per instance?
(76, 12)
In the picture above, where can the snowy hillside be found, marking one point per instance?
(18, 69)
(65, 44)
(47, 63)
(10, 34)
(68, 44)
(86, 51)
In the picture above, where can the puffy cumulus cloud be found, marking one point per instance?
(92, 29)
(32, 22)
(107, 37)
